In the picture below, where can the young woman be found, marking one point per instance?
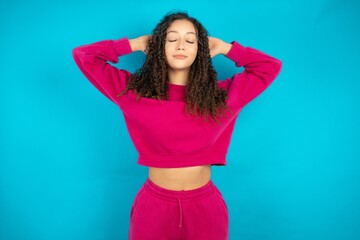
(180, 118)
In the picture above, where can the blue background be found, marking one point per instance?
(68, 167)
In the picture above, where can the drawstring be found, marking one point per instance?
(179, 196)
(180, 223)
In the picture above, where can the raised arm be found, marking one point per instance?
(260, 70)
(92, 59)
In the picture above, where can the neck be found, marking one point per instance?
(178, 76)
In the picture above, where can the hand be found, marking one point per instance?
(218, 46)
(140, 43)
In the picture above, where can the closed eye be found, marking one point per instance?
(176, 40)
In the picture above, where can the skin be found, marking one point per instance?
(181, 39)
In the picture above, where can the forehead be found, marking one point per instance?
(181, 27)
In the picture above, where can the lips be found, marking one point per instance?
(179, 56)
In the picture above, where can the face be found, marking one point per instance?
(181, 45)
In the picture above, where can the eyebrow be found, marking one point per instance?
(178, 32)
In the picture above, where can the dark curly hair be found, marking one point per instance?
(203, 96)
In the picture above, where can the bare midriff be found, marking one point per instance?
(186, 178)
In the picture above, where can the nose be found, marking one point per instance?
(180, 45)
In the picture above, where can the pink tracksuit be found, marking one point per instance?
(165, 137)
(162, 214)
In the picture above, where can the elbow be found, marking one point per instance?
(75, 52)
(273, 72)
(78, 51)
(277, 66)
(78, 54)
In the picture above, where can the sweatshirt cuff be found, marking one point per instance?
(236, 52)
(122, 46)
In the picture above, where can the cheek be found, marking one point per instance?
(194, 52)
(167, 53)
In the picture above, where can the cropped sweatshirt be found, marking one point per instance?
(163, 135)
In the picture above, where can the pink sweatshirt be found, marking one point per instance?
(162, 133)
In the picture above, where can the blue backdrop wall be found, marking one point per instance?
(68, 167)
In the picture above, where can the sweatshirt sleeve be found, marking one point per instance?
(260, 70)
(92, 61)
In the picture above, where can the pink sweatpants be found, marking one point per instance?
(162, 214)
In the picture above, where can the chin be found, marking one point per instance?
(180, 66)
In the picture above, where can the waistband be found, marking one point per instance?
(175, 195)
(179, 196)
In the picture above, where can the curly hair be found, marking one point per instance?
(203, 96)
